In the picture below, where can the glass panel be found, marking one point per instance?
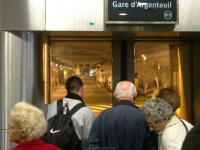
(92, 62)
(156, 66)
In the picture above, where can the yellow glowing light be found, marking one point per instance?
(182, 110)
(144, 57)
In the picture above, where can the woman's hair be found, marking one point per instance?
(192, 140)
(170, 96)
(157, 109)
(29, 119)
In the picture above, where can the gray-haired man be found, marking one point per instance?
(121, 127)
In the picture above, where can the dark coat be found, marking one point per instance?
(122, 127)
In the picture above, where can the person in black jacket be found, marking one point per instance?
(192, 140)
(122, 127)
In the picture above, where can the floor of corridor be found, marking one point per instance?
(96, 97)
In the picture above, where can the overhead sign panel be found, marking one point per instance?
(141, 12)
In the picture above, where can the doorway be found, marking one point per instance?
(102, 61)
(162, 64)
(91, 60)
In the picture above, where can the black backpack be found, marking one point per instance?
(60, 129)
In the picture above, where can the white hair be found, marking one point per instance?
(125, 90)
(157, 109)
(30, 120)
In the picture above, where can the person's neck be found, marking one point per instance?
(77, 93)
(75, 96)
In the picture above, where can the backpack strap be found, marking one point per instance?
(76, 108)
(184, 125)
(59, 105)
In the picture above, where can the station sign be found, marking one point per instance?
(141, 11)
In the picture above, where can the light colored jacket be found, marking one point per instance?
(173, 135)
(82, 119)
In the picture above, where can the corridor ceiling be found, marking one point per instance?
(92, 48)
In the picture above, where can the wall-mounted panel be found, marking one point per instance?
(79, 15)
(23, 15)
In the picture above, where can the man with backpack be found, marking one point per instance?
(73, 106)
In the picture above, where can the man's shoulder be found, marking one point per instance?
(106, 112)
(85, 111)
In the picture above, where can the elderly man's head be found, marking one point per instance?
(125, 90)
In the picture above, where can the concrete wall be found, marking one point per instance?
(20, 74)
(23, 15)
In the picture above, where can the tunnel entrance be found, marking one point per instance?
(152, 64)
(91, 60)
(157, 65)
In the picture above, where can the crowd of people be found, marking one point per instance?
(123, 127)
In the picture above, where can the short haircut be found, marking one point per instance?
(157, 109)
(125, 90)
(73, 84)
(29, 119)
(170, 96)
(192, 140)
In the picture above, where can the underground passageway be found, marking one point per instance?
(96, 97)
(153, 64)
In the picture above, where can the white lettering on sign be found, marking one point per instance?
(146, 5)
(120, 4)
(154, 5)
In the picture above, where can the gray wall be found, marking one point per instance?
(20, 74)
(0, 14)
(54, 15)
(1, 89)
(23, 15)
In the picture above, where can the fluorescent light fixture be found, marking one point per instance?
(122, 14)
